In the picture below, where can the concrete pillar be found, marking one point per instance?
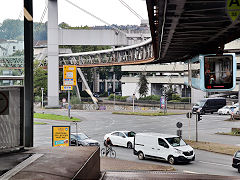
(179, 90)
(114, 82)
(53, 63)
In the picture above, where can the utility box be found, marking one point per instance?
(11, 117)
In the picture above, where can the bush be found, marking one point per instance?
(174, 101)
(105, 94)
(111, 96)
(75, 100)
(152, 97)
(185, 99)
(37, 99)
(175, 97)
(123, 98)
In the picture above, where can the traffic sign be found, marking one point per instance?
(179, 124)
(189, 115)
(69, 75)
(66, 88)
(233, 9)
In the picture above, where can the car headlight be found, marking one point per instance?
(178, 151)
(85, 144)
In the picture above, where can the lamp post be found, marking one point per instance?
(133, 102)
(42, 96)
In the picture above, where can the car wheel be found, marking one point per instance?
(239, 169)
(171, 160)
(193, 159)
(129, 145)
(203, 112)
(140, 156)
(211, 112)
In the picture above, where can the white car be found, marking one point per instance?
(236, 110)
(121, 138)
(226, 110)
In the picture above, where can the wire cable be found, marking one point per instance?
(87, 12)
(130, 9)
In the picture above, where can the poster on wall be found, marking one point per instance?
(162, 102)
(60, 136)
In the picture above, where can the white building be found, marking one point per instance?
(8, 47)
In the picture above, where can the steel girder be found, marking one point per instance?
(181, 29)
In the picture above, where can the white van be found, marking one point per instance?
(166, 147)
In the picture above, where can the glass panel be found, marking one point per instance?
(11, 41)
(218, 72)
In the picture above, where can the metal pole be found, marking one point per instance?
(69, 106)
(133, 101)
(42, 96)
(239, 99)
(196, 127)
(28, 73)
(114, 101)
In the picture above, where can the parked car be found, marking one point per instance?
(121, 138)
(236, 161)
(236, 110)
(82, 140)
(166, 147)
(226, 110)
(209, 105)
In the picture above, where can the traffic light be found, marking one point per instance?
(199, 117)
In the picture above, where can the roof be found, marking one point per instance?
(182, 29)
(153, 134)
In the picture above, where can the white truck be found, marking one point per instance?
(166, 147)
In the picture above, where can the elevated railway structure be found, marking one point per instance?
(181, 29)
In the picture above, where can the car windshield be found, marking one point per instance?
(197, 104)
(130, 134)
(237, 155)
(226, 107)
(81, 136)
(201, 103)
(176, 141)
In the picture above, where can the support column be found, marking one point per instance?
(28, 73)
(53, 63)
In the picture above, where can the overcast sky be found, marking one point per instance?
(111, 11)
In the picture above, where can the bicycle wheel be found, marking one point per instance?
(103, 152)
(112, 154)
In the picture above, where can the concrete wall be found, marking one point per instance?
(197, 95)
(128, 89)
(11, 119)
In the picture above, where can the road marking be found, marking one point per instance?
(214, 163)
(190, 172)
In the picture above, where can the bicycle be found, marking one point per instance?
(111, 152)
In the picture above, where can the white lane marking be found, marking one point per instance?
(214, 163)
(191, 172)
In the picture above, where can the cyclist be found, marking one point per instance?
(108, 144)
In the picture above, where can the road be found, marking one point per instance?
(97, 124)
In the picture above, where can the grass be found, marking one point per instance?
(54, 117)
(39, 123)
(229, 133)
(146, 113)
(214, 147)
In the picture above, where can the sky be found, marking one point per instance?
(111, 11)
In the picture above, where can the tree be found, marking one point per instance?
(39, 80)
(143, 85)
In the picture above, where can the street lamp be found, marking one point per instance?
(42, 96)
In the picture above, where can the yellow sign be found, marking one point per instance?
(60, 136)
(233, 9)
(66, 88)
(69, 75)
